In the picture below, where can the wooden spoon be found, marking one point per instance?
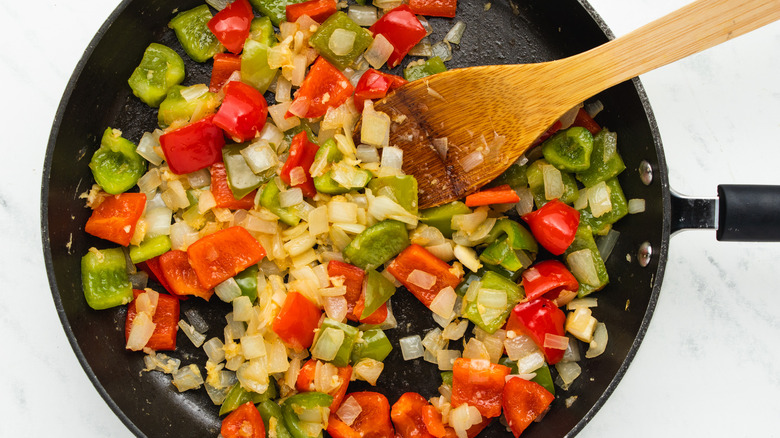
(492, 114)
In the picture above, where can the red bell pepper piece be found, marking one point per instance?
(193, 147)
(415, 257)
(537, 318)
(523, 402)
(223, 196)
(244, 422)
(231, 25)
(222, 255)
(153, 269)
(375, 84)
(353, 281)
(554, 225)
(435, 8)
(548, 133)
(165, 318)
(406, 415)
(432, 420)
(372, 422)
(180, 276)
(296, 321)
(377, 317)
(548, 278)
(243, 111)
(115, 218)
(478, 383)
(302, 153)
(317, 10)
(584, 120)
(305, 382)
(323, 87)
(495, 195)
(224, 66)
(402, 29)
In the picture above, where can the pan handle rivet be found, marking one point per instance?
(646, 172)
(645, 254)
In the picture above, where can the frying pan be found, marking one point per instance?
(97, 97)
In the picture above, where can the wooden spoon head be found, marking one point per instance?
(489, 116)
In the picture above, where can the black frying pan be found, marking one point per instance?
(98, 96)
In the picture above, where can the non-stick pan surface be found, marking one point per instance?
(509, 32)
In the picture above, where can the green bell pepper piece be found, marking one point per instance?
(321, 38)
(441, 216)
(602, 224)
(569, 149)
(262, 30)
(326, 184)
(374, 345)
(463, 287)
(247, 282)
(507, 362)
(254, 65)
(275, 10)
(514, 176)
(240, 177)
(516, 235)
(270, 200)
(116, 165)
(544, 378)
(160, 69)
(401, 189)
(269, 409)
(175, 107)
(584, 239)
(350, 335)
(298, 402)
(378, 290)
(305, 126)
(104, 278)
(196, 38)
(430, 67)
(605, 160)
(536, 184)
(377, 244)
(237, 396)
(446, 378)
(150, 248)
(494, 281)
(499, 253)
(329, 151)
(193, 217)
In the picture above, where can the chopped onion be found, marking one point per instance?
(375, 128)
(387, 4)
(528, 376)
(363, 15)
(443, 251)
(468, 257)
(599, 200)
(463, 417)
(382, 207)
(636, 206)
(252, 346)
(298, 74)
(206, 201)
(553, 182)
(140, 332)
(213, 349)
(367, 153)
(421, 279)
(291, 197)
(318, 221)
(299, 107)
(218, 4)
(342, 212)
(423, 48)
(555, 342)
(594, 108)
(328, 343)
(581, 324)
(581, 203)
(606, 244)
(277, 113)
(582, 302)
(349, 411)
(341, 41)
(148, 147)
(469, 222)
(455, 330)
(444, 302)
(582, 266)
(568, 117)
(446, 358)
(273, 135)
(253, 375)
(182, 236)
(187, 378)
(195, 337)
(297, 176)
(194, 91)
(443, 50)
(392, 157)
(568, 371)
(369, 370)
(242, 308)
(599, 342)
(228, 290)
(411, 347)
(379, 51)
(158, 221)
(283, 91)
(456, 32)
(530, 363)
(335, 306)
(471, 161)
(276, 355)
(260, 156)
(150, 181)
(475, 349)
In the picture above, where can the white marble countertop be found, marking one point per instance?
(709, 362)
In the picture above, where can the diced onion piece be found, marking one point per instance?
(194, 91)
(598, 199)
(341, 41)
(433, 340)
(594, 108)
(553, 182)
(182, 236)
(606, 244)
(471, 161)
(492, 298)
(297, 176)
(140, 332)
(299, 107)
(326, 377)
(421, 279)
(475, 349)
(443, 50)
(291, 197)
(298, 74)
(228, 290)
(335, 306)
(252, 346)
(581, 324)
(375, 128)
(446, 358)
(367, 153)
(369, 370)
(443, 251)
(411, 347)
(213, 349)
(528, 376)
(318, 221)
(342, 212)
(206, 201)
(382, 207)
(379, 51)
(469, 222)
(253, 375)
(494, 344)
(362, 15)
(455, 330)
(273, 135)
(462, 418)
(148, 147)
(582, 302)
(468, 257)
(349, 411)
(599, 342)
(276, 355)
(526, 203)
(423, 48)
(283, 89)
(568, 371)
(187, 378)
(555, 342)
(242, 308)
(581, 203)
(530, 363)
(636, 205)
(195, 337)
(392, 157)
(456, 32)
(582, 266)
(444, 302)
(277, 113)
(158, 221)
(150, 181)
(441, 146)
(260, 156)
(568, 117)
(147, 302)
(218, 4)
(328, 343)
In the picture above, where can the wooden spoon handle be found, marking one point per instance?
(691, 29)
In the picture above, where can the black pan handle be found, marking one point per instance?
(741, 213)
